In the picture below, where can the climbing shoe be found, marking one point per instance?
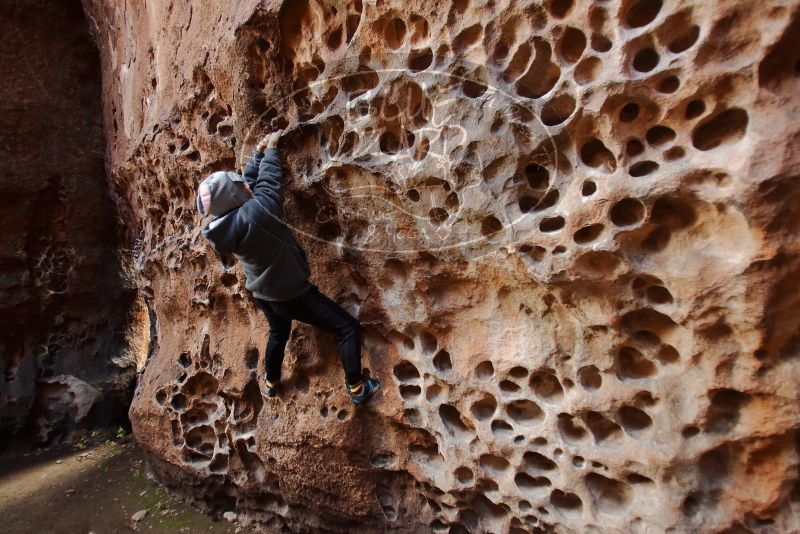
(362, 392)
(271, 388)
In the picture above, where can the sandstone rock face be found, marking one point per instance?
(568, 228)
(64, 300)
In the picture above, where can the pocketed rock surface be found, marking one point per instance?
(569, 230)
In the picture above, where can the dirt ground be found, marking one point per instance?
(91, 488)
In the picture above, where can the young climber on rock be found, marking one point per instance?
(247, 222)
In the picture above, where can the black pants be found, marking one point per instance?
(314, 308)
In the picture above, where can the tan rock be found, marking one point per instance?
(568, 228)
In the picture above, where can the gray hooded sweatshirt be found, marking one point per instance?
(252, 229)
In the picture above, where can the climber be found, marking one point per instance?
(247, 222)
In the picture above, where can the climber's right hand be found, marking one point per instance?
(269, 141)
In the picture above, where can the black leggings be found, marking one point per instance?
(314, 308)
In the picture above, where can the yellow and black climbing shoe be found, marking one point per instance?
(362, 392)
(272, 388)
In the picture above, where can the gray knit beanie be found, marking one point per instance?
(220, 193)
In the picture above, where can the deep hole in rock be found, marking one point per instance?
(394, 32)
(659, 135)
(508, 386)
(629, 112)
(484, 408)
(442, 361)
(565, 501)
(546, 386)
(685, 41)
(559, 8)
(694, 109)
(452, 420)
(524, 411)
(569, 430)
(494, 464)
(633, 419)
(587, 234)
(634, 147)
(473, 88)
(673, 212)
(645, 60)
(572, 44)
(595, 154)
(668, 84)
(518, 372)
(484, 370)
(421, 59)
(557, 110)
(501, 428)
(642, 13)
(538, 462)
(631, 364)
(726, 127)
(643, 168)
(528, 483)
(587, 70)
(552, 224)
(538, 177)
(467, 37)
(405, 371)
(590, 377)
(627, 212)
(609, 496)
(725, 410)
(464, 475)
(602, 429)
(490, 226)
(410, 392)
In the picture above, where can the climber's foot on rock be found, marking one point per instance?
(271, 389)
(365, 390)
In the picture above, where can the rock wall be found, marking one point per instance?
(568, 228)
(65, 301)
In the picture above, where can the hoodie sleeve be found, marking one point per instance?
(269, 182)
(251, 168)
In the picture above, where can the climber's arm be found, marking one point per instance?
(251, 168)
(270, 177)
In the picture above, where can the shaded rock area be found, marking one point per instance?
(568, 228)
(65, 305)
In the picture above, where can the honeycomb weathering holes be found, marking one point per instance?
(645, 60)
(629, 112)
(524, 411)
(627, 212)
(642, 12)
(406, 371)
(442, 361)
(725, 127)
(595, 154)
(587, 234)
(546, 386)
(484, 370)
(572, 44)
(630, 115)
(643, 168)
(609, 496)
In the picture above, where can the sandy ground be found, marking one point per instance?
(86, 489)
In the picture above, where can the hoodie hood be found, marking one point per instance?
(220, 192)
(222, 234)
